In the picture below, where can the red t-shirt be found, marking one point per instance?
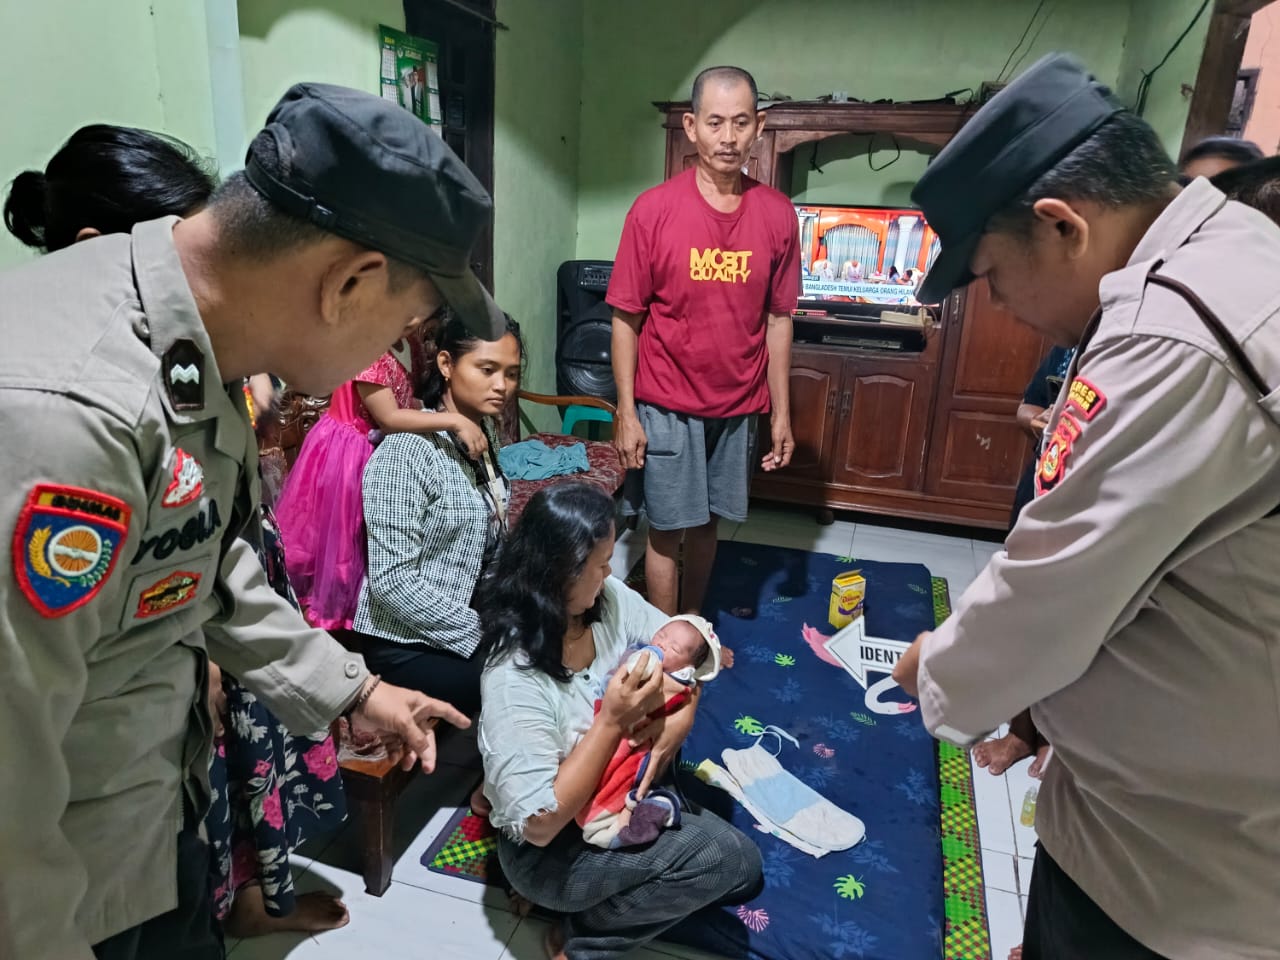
(707, 280)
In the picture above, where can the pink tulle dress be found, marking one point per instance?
(319, 512)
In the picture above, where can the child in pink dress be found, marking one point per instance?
(320, 512)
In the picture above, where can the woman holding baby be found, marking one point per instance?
(554, 624)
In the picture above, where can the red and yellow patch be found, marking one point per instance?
(175, 590)
(65, 545)
(1053, 462)
(1084, 402)
(1087, 399)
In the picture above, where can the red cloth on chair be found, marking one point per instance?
(605, 471)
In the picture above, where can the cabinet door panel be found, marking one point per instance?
(977, 451)
(884, 424)
(997, 354)
(984, 453)
(815, 391)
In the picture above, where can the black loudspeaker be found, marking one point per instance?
(584, 330)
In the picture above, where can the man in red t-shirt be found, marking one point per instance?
(706, 277)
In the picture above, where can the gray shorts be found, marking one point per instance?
(693, 468)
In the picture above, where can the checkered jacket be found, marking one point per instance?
(427, 523)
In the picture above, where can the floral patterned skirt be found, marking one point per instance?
(271, 789)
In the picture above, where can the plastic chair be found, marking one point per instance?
(575, 414)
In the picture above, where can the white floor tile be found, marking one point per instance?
(410, 870)
(797, 531)
(921, 536)
(1024, 875)
(944, 556)
(995, 819)
(405, 923)
(1004, 916)
(277, 946)
(984, 550)
(998, 871)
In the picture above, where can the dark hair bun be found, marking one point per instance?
(24, 207)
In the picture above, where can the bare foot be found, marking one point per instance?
(999, 755)
(1037, 767)
(553, 942)
(312, 913)
(480, 804)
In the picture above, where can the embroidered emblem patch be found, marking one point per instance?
(65, 545)
(183, 368)
(173, 591)
(1053, 462)
(188, 481)
(1086, 398)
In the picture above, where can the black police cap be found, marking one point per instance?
(365, 169)
(1021, 133)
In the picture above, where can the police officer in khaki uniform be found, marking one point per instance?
(128, 471)
(1136, 608)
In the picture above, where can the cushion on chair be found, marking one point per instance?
(605, 471)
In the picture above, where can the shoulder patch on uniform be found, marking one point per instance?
(187, 483)
(1053, 462)
(169, 593)
(65, 545)
(1087, 399)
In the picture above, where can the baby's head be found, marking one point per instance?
(682, 645)
(690, 648)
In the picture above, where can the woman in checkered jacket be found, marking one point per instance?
(435, 515)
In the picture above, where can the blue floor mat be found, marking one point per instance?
(882, 899)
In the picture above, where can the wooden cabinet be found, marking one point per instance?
(883, 423)
(815, 396)
(978, 450)
(927, 435)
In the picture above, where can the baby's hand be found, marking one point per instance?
(726, 657)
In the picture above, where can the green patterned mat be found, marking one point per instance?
(967, 935)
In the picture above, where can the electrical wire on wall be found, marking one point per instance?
(1017, 46)
(1034, 37)
(871, 145)
(1144, 85)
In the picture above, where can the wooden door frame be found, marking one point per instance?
(1219, 65)
(481, 108)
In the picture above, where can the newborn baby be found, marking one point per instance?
(689, 652)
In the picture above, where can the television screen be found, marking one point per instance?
(873, 255)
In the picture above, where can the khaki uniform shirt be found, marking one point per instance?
(127, 470)
(1137, 604)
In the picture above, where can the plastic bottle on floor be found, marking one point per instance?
(1028, 816)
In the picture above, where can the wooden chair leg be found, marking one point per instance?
(377, 817)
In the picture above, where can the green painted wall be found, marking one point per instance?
(905, 50)
(64, 64)
(283, 42)
(536, 146)
(1153, 27)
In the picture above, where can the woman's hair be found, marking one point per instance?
(1227, 148)
(108, 178)
(455, 339)
(522, 598)
(1255, 184)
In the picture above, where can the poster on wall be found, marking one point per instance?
(410, 74)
